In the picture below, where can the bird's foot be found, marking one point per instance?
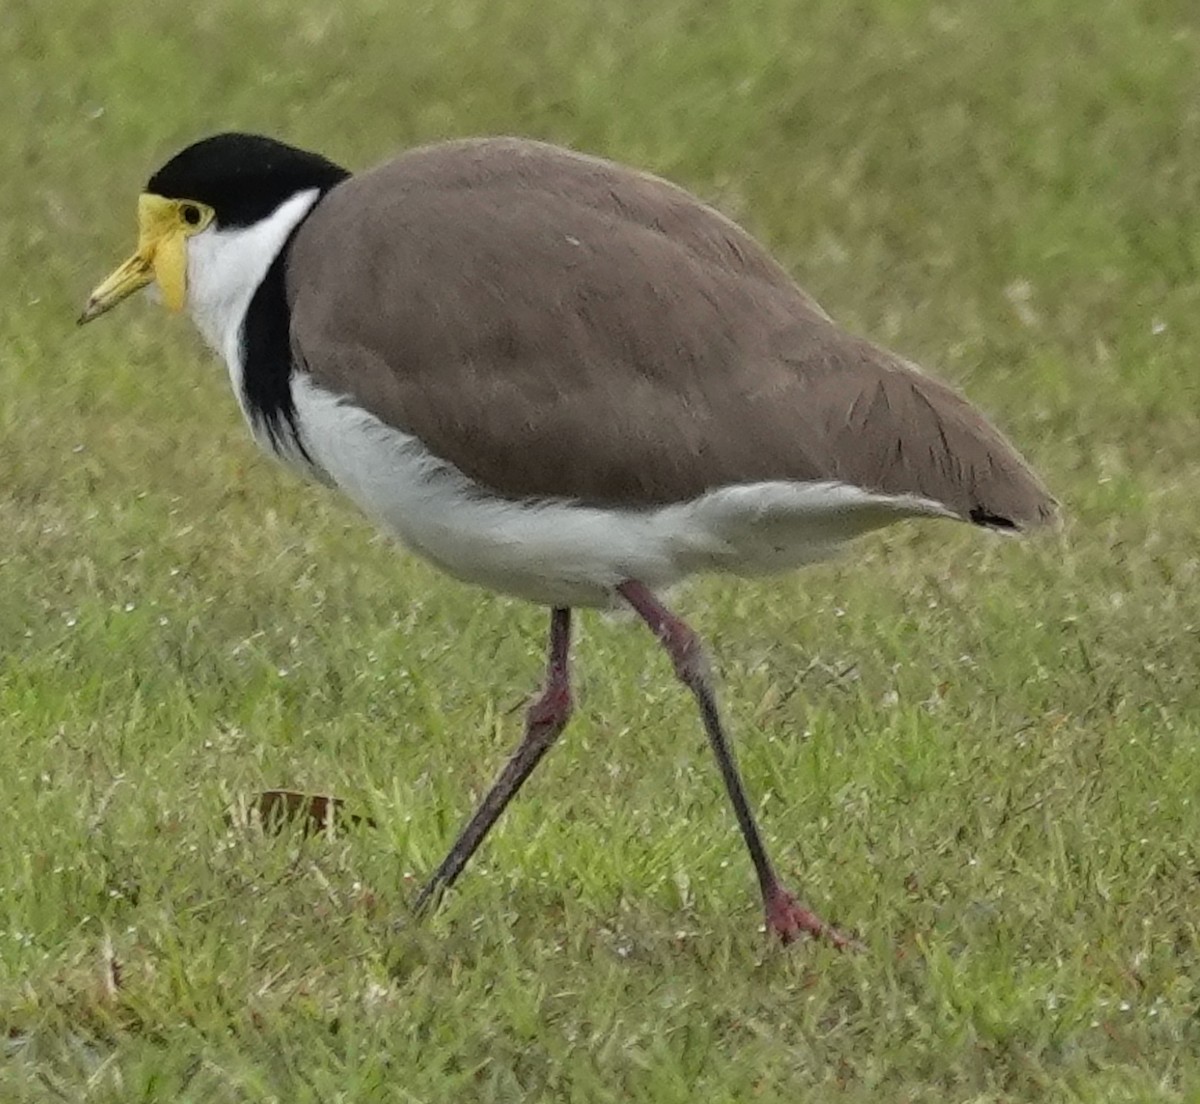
(789, 919)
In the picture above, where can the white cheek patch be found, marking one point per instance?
(224, 269)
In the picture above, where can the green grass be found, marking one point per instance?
(981, 755)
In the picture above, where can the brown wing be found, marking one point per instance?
(555, 325)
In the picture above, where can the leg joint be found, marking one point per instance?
(549, 713)
(690, 660)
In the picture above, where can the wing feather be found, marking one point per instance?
(558, 326)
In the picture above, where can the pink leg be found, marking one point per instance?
(546, 718)
(786, 917)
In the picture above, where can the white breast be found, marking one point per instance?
(556, 552)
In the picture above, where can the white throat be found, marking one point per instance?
(224, 269)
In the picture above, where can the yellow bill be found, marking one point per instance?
(164, 225)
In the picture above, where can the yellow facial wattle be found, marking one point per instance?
(164, 225)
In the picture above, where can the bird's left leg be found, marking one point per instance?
(546, 718)
(786, 916)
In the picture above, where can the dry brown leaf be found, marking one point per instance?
(318, 812)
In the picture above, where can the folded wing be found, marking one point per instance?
(558, 326)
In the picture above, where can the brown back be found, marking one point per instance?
(559, 326)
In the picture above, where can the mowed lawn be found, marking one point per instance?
(981, 755)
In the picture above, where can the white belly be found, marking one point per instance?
(559, 553)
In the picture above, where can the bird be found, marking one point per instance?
(562, 379)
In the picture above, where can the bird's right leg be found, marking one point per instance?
(544, 722)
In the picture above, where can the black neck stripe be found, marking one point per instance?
(266, 349)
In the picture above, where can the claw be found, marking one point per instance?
(789, 919)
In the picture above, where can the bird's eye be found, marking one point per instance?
(191, 214)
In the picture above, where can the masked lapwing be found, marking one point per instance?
(560, 379)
